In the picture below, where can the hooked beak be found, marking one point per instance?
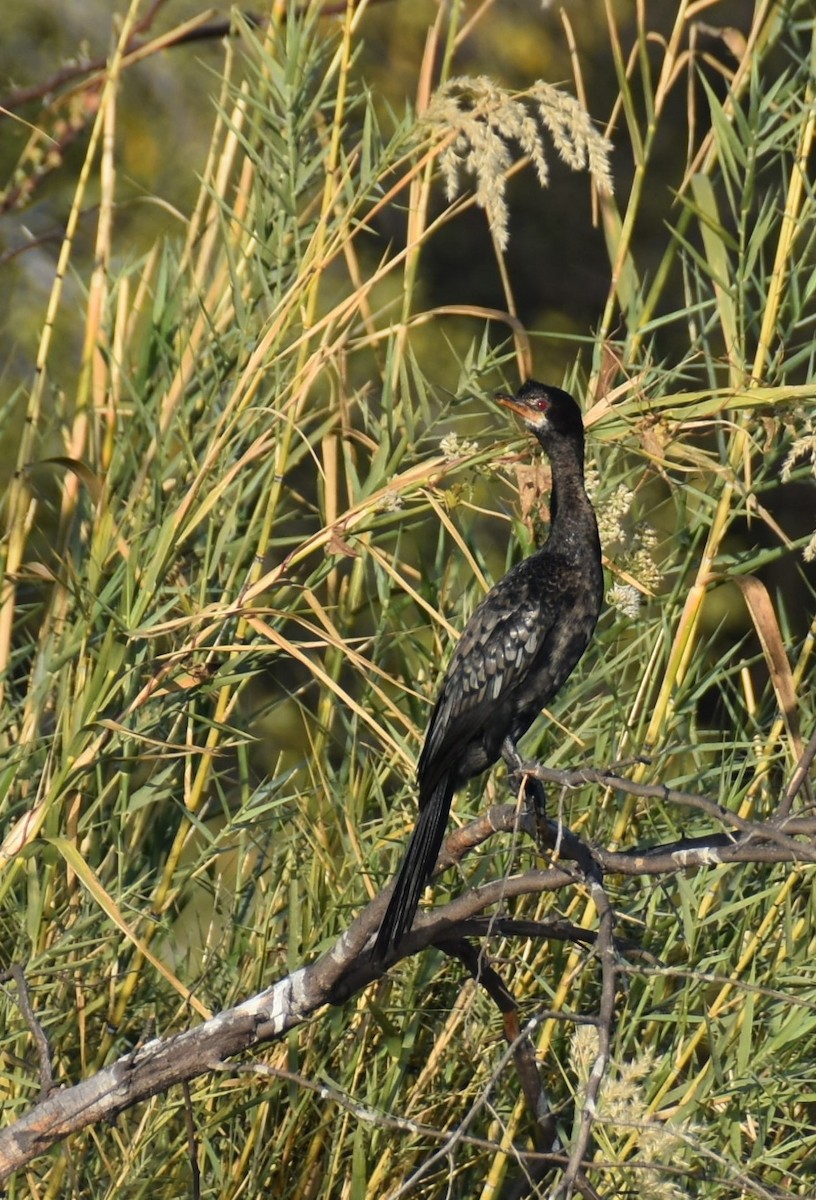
(517, 406)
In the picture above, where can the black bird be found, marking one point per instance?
(516, 652)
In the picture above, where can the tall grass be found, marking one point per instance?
(226, 602)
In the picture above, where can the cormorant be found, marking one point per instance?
(516, 652)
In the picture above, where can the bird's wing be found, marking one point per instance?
(492, 658)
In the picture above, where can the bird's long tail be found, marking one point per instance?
(417, 865)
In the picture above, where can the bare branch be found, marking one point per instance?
(776, 830)
(799, 779)
(475, 960)
(605, 949)
(162, 1063)
(16, 973)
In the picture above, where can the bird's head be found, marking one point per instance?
(545, 410)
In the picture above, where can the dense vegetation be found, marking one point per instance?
(237, 547)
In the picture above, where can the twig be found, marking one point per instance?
(757, 843)
(799, 777)
(88, 77)
(545, 1132)
(383, 1120)
(16, 973)
(772, 831)
(192, 1148)
(605, 949)
(743, 985)
(446, 1150)
(207, 31)
(38, 91)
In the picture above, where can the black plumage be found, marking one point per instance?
(516, 652)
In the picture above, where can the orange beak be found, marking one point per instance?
(506, 401)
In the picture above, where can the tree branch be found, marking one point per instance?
(90, 71)
(162, 1063)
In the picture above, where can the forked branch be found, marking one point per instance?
(161, 1063)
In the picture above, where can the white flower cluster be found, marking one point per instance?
(625, 598)
(390, 501)
(452, 446)
(630, 544)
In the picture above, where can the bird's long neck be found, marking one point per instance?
(572, 520)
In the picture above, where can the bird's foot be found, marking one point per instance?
(534, 797)
(522, 782)
(536, 800)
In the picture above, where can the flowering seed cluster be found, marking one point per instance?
(628, 543)
(390, 501)
(803, 447)
(486, 119)
(623, 1111)
(625, 598)
(453, 446)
